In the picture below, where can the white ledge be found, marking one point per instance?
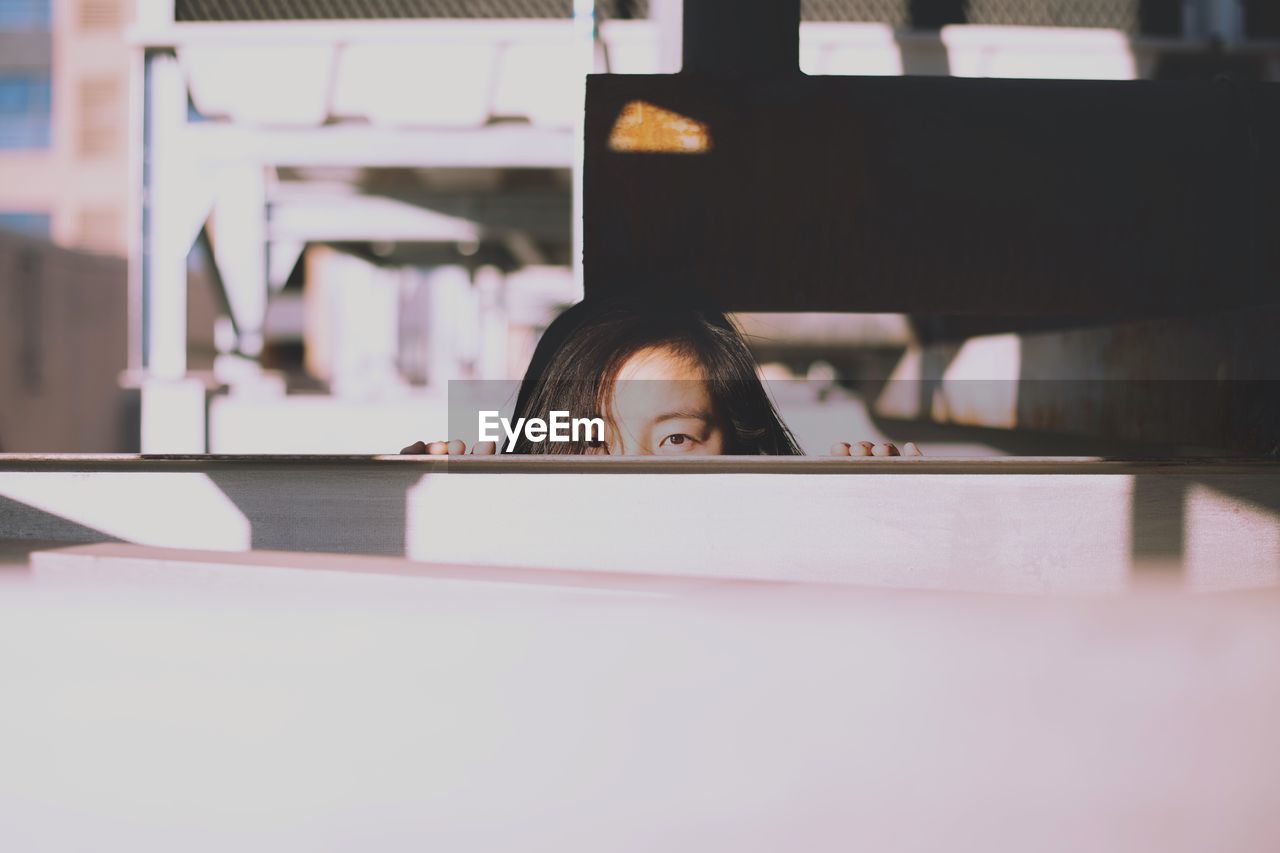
(1076, 465)
(1007, 525)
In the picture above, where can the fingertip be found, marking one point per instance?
(456, 447)
(485, 448)
(884, 449)
(840, 448)
(415, 449)
(910, 449)
(437, 448)
(862, 448)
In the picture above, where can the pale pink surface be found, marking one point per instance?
(392, 712)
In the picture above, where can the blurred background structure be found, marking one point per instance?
(247, 227)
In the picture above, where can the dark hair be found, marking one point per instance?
(579, 356)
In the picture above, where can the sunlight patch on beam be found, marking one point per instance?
(644, 128)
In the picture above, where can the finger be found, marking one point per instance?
(862, 448)
(885, 449)
(415, 449)
(840, 448)
(438, 448)
(485, 448)
(910, 449)
(456, 447)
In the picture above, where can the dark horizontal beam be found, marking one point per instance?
(940, 195)
(741, 38)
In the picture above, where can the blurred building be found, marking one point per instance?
(65, 184)
(330, 209)
(63, 341)
(64, 122)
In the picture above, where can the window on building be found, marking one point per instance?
(21, 15)
(101, 14)
(26, 106)
(100, 230)
(101, 115)
(24, 222)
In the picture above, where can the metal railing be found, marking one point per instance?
(1259, 18)
(299, 10)
(1124, 15)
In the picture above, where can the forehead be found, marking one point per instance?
(661, 363)
(659, 380)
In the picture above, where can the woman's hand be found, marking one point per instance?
(489, 448)
(867, 448)
(449, 448)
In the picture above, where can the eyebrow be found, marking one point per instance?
(687, 415)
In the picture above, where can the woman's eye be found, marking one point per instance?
(678, 441)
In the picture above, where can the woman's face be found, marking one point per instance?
(661, 407)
